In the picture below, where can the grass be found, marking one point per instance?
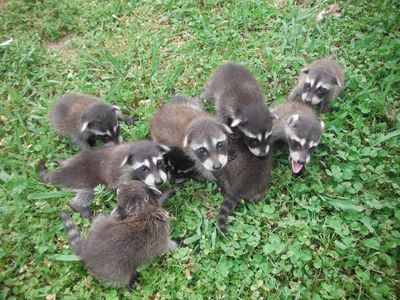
(332, 233)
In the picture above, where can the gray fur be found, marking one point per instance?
(297, 119)
(320, 82)
(240, 103)
(83, 118)
(116, 247)
(109, 166)
(184, 125)
(245, 177)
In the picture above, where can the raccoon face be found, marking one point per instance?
(101, 121)
(256, 130)
(208, 144)
(303, 137)
(148, 165)
(318, 83)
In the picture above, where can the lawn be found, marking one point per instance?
(332, 233)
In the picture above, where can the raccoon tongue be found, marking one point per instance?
(296, 167)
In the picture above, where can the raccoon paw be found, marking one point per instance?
(83, 211)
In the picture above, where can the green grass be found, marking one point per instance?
(332, 233)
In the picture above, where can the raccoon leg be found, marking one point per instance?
(325, 107)
(165, 196)
(228, 205)
(295, 94)
(133, 280)
(81, 201)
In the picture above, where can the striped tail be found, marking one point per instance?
(228, 205)
(74, 236)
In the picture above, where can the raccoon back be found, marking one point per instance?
(114, 249)
(169, 125)
(66, 114)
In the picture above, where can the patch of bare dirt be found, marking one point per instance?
(62, 46)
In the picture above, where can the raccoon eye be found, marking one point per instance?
(202, 150)
(321, 90)
(312, 148)
(220, 145)
(307, 85)
(159, 162)
(143, 168)
(253, 142)
(296, 146)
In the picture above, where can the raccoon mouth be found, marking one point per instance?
(296, 167)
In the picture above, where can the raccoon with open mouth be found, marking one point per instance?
(111, 166)
(240, 103)
(319, 83)
(185, 125)
(84, 119)
(117, 244)
(298, 126)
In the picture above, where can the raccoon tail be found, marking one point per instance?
(74, 236)
(42, 171)
(228, 205)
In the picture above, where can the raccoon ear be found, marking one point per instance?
(235, 122)
(305, 70)
(274, 116)
(336, 81)
(226, 129)
(116, 107)
(322, 125)
(186, 140)
(119, 213)
(127, 160)
(85, 125)
(164, 148)
(293, 119)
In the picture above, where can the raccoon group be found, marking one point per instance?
(233, 148)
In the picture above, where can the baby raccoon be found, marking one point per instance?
(320, 82)
(240, 103)
(298, 126)
(117, 246)
(110, 166)
(85, 118)
(184, 124)
(246, 177)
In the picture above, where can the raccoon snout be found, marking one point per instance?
(302, 162)
(159, 182)
(217, 166)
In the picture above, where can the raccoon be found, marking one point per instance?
(185, 125)
(240, 103)
(116, 246)
(85, 119)
(320, 82)
(298, 126)
(246, 177)
(110, 166)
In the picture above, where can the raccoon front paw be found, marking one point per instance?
(83, 211)
(129, 121)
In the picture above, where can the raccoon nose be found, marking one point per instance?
(159, 182)
(301, 161)
(217, 166)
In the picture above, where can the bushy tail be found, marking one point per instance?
(228, 205)
(74, 236)
(42, 171)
